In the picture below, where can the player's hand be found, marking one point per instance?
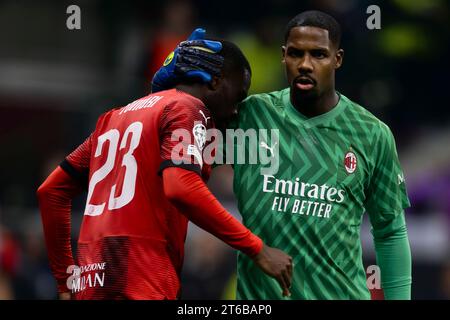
(195, 58)
(65, 296)
(276, 264)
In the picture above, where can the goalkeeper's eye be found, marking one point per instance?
(295, 53)
(319, 54)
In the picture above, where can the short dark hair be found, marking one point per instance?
(234, 59)
(319, 19)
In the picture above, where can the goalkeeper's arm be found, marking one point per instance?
(393, 256)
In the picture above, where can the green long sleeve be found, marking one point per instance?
(393, 256)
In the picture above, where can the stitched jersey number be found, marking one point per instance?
(128, 161)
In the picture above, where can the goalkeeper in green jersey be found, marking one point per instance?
(335, 161)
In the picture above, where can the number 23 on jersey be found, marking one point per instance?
(128, 161)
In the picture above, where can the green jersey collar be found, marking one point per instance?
(314, 121)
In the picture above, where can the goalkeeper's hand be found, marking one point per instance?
(194, 58)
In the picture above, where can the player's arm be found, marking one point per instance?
(385, 205)
(393, 255)
(187, 191)
(55, 201)
(55, 198)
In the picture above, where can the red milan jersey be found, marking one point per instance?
(132, 238)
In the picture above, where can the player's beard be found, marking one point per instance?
(303, 97)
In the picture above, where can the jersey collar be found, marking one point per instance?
(314, 121)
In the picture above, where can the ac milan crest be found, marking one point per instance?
(350, 162)
(199, 132)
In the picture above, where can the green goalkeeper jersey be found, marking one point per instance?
(331, 169)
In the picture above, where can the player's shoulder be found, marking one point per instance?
(105, 117)
(266, 99)
(183, 108)
(361, 114)
(176, 100)
(143, 103)
(181, 97)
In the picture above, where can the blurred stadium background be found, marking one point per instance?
(55, 82)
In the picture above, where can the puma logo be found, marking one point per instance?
(265, 146)
(206, 118)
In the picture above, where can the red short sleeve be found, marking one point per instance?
(76, 163)
(183, 132)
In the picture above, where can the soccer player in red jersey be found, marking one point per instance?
(141, 195)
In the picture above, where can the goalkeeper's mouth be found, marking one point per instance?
(304, 83)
